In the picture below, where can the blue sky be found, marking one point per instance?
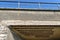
(29, 5)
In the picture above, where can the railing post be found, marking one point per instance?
(18, 4)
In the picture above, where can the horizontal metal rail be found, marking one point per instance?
(32, 2)
(41, 2)
(10, 1)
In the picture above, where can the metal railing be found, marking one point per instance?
(9, 4)
(44, 3)
(38, 3)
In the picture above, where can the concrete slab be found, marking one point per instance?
(30, 15)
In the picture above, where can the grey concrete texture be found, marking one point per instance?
(15, 36)
(30, 15)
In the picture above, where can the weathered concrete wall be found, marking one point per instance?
(29, 18)
(30, 15)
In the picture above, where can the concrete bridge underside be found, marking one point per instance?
(42, 17)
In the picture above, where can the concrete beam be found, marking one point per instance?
(30, 15)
